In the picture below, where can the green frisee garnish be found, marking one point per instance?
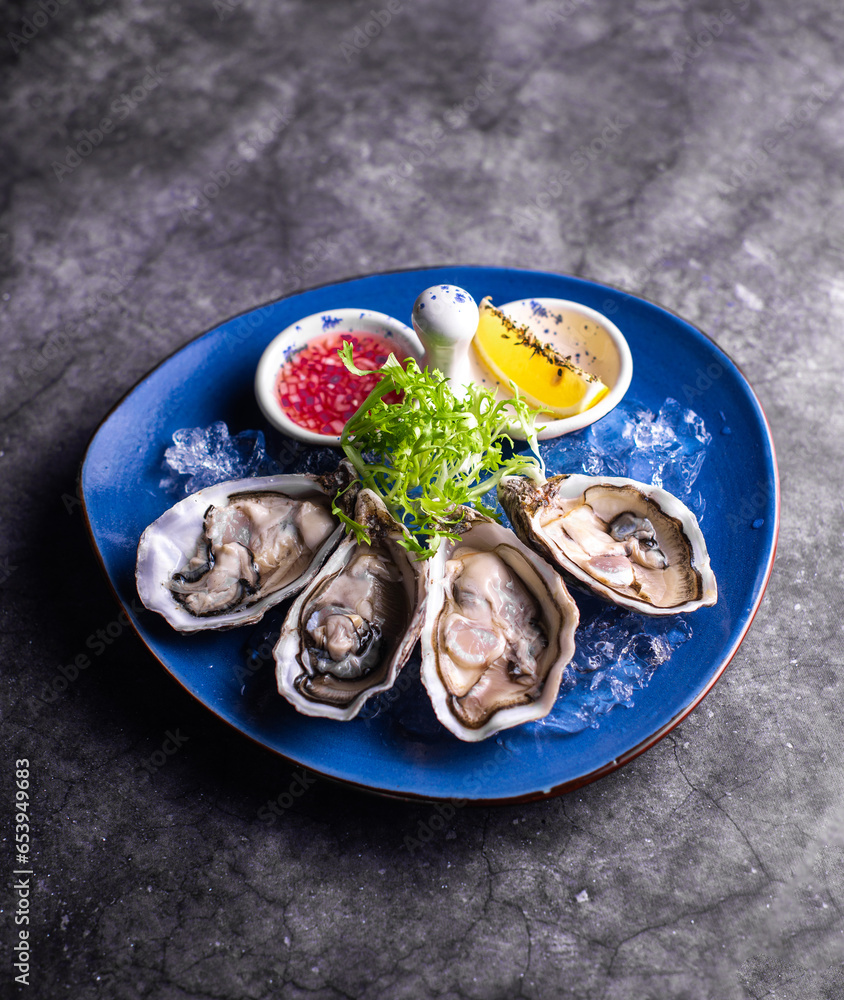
(433, 450)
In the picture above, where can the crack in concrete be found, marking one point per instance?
(706, 795)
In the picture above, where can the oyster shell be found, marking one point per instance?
(226, 554)
(347, 636)
(499, 631)
(630, 543)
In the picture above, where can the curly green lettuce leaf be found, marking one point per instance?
(433, 450)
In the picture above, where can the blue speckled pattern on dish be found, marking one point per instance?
(211, 379)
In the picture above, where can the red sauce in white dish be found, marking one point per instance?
(317, 391)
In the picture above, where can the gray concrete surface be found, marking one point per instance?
(710, 868)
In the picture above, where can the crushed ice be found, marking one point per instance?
(205, 456)
(617, 650)
(617, 654)
(665, 449)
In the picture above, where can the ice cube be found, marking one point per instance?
(666, 449)
(211, 455)
(617, 653)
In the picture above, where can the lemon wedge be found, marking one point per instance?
(547, 379)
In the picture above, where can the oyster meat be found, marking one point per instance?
(633, 544)
(499, 631)
(349, 634)
(224, 555)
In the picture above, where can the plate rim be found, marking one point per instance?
(409, 796)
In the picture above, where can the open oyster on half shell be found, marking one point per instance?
(499, 631)
(630, 543)
(347, 636)
(224, 555)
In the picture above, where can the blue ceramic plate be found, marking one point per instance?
(211, 379)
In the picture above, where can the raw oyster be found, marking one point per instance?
(498, 633)
(633, 544)
(349, 634)
(226, 554)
